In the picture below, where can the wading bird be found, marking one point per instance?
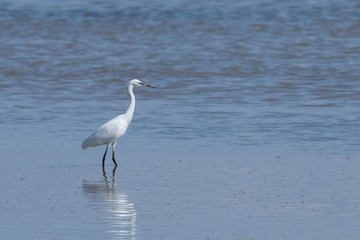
(108, 133)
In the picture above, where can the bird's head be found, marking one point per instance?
(136, 82)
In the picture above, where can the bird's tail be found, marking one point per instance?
(85, 145)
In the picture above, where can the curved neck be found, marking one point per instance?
(130, 111)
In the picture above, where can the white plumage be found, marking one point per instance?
(108, 133)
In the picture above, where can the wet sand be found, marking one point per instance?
(205, 193)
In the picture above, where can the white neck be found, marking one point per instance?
(130, 111)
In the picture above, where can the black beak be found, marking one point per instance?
(148, 85)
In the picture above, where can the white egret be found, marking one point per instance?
(108, 133)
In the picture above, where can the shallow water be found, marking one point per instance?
(251, 133)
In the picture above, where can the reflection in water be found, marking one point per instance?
(106, 196)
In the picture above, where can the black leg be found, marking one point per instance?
(114, 170)
(104, 174)
(113, 158)
(103, 161)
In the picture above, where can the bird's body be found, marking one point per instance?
(108, 133)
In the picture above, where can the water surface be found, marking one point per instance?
(251, 133)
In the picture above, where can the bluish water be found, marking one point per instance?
(251, 133)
